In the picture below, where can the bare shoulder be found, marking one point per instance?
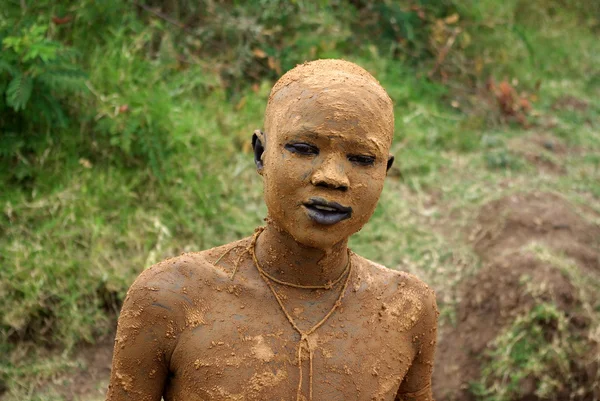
(403, 295)
(387, 279)
(182, 280)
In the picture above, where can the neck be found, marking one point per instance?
(285, 259)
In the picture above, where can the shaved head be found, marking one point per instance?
(351, 89)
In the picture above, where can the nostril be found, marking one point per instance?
(328, 176)
(330, 185)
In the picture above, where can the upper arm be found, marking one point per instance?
(146, 336)
(417, 381)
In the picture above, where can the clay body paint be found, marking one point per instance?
(212, 325)
(328, 134)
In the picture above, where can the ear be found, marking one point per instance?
(390, 162)
(257, 145)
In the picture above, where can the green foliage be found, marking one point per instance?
(502, 159)
(538, 347)
(33, 63)
(19, 91)
(253, 41)
(36, 75)
(545, 347)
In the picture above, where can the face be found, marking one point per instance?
(324, 164)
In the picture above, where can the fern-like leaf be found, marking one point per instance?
(5, 66)
(64, 79)
(47, 108)
(19, 92)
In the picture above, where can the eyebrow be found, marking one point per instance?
(303, 131)
(371, 144)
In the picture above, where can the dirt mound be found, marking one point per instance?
(549, 143)
(490, 301)
(521, 291)
(507, 224)
(545, 152)
(570, 103)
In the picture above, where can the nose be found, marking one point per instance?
(330, 174)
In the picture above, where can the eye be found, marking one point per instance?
(302, 148)
(362, 160)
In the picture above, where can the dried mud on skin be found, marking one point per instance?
(496, 294)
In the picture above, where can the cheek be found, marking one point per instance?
(283, 172)
(367, 190)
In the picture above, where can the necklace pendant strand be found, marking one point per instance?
(304, 335)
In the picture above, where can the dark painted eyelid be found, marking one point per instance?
(308, 148)
(367, 160)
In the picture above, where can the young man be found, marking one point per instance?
(290, 313)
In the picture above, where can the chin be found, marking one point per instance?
(317, 241)
(321, 236)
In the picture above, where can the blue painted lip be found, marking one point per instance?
(327, 213)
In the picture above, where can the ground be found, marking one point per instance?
(535, 248)
(512, 235)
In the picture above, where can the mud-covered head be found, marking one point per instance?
(325, 150)
(347, 87)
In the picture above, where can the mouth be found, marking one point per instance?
(325, 212)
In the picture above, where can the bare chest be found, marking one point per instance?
(242, 347)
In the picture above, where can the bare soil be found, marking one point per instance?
(90, 380)
(507, 224)
(90, 383)
(570, 103)
(546, 152)
(495, 295)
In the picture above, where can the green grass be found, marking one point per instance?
(543, 345)
(523, 352)
(118, 190)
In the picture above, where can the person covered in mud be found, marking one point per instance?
(290, 313)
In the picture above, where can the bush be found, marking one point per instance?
(36, 75)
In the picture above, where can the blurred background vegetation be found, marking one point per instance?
(125, 127)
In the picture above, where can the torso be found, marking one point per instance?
(235, 343)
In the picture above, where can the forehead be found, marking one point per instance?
(342, 109)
